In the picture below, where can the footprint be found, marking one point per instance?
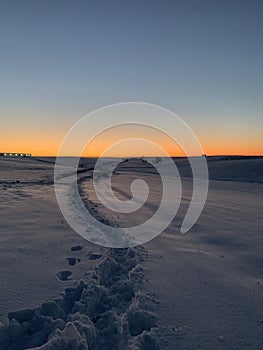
(76, 247)
(94, 256)
(64, 275)
(73, 261)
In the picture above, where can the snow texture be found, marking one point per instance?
(106, 311)
(208, 284)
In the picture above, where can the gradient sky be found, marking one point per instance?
(62, 59)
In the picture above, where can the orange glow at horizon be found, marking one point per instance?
(48, 145)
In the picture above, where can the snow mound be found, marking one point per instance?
(106, 311)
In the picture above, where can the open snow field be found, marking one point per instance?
(202, 290)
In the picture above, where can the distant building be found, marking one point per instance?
(8, 154)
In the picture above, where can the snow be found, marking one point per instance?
(202, 290)
(212, 279)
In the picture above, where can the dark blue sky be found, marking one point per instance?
(202, 59)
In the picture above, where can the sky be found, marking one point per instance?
(60, 60)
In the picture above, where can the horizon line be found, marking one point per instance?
(135, 156)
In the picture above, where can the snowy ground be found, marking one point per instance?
(202, 290)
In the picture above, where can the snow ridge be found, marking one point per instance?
(106, 311)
